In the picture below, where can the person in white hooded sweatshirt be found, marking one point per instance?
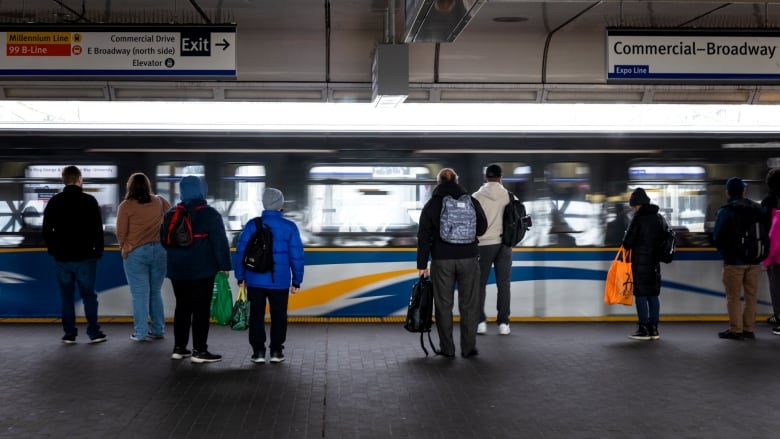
(494, 197)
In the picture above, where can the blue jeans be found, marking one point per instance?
(647, 309)
(145, 272)
(82, 273)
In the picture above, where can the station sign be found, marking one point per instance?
(79, 51)
(695, 56)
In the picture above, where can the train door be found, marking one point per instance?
(366, 205)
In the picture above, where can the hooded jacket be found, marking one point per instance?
(210, 251)
(429, 242)
(494, 198)
(642, 238)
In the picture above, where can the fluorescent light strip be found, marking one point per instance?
(217, 150)
(538, 151)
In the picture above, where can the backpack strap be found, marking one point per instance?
(199, 235)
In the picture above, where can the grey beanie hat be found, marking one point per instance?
(273, 199)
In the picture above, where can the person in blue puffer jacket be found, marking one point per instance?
(192, 271)
(274, 286)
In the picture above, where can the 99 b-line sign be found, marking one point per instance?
(118, 51)
(695, 56)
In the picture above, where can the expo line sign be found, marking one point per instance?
(693, 56)
(118, 51)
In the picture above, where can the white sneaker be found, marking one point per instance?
(503, 329)
(482, 328)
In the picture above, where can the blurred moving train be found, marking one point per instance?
(357, 198)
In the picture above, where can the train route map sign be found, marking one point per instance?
(52, 51)
(693, 56)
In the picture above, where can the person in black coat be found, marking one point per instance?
(642, 237)
(451, 264)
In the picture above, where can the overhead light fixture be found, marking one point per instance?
(390, 75)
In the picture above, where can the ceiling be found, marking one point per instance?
(320, 51)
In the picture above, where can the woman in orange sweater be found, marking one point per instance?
(138, 229)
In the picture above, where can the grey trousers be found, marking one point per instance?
(500, 257)
(444, 275)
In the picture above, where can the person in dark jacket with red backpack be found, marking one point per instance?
(642, 238)
(451, 263)
(192, 271)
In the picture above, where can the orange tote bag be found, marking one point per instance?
(620, 281)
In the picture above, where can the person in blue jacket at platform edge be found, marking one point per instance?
(192, 271)
(274, 286)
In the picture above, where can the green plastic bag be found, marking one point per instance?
(240, 319)
(221, 300)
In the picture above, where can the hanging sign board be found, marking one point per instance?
(118, 51)
(693, 56)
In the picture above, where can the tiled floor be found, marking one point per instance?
(545, 380)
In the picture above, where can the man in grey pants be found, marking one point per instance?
(451, 263)
(494, 197)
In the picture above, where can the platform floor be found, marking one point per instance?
(545, 380)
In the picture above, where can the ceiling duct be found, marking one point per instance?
(438, 20)
(390, 75)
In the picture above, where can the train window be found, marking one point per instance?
(25, 198)
(680, 192)
(170, 173)
(366, 205)
(246, 203)
(566, 217)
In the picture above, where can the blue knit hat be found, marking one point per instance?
(191, 188)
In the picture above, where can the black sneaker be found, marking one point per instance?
(469, 354)
(205, 357)
(730, 335)
(749, 335)
(70, 338)
(773, 320)
(641, 333)
(179, 353)
(277, 357)
(776, 330)
(98, 338)
(258, 357)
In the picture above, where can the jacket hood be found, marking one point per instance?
(648, 209)
(192, 187)
(452, 189)
(493, 191)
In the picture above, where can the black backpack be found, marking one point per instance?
(419, 315)
(177, 227)
(259, 251)
(751, 232)
(667, 243)
(516, 222)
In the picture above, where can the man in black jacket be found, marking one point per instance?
(451, 263)
(73, 231)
